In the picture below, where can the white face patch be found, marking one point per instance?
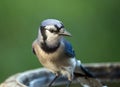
(50, 27)
(52, 37)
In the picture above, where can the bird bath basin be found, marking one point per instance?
(108, 73)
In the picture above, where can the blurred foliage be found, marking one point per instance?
(94, 24)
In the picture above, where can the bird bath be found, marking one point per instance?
(108, 73)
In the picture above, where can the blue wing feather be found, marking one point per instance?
(68, 49)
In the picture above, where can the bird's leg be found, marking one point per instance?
(69, 83)
(57, 75)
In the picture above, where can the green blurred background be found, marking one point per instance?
(94, 24)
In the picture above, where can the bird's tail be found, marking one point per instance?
(85, 77)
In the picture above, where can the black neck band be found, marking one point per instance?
(48, 49)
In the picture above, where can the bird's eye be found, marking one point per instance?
(52, 31)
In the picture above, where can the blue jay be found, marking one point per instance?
(56, 53)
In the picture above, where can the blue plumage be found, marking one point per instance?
(57, 54)
(68, 49)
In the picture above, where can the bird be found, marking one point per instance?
(56, 53)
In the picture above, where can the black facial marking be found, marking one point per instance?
(59, 27)
(62, 26)
(49, 49)
(43, 33)
(54, 31)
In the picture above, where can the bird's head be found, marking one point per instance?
(53, 29)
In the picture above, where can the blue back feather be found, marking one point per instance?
(68, 49)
